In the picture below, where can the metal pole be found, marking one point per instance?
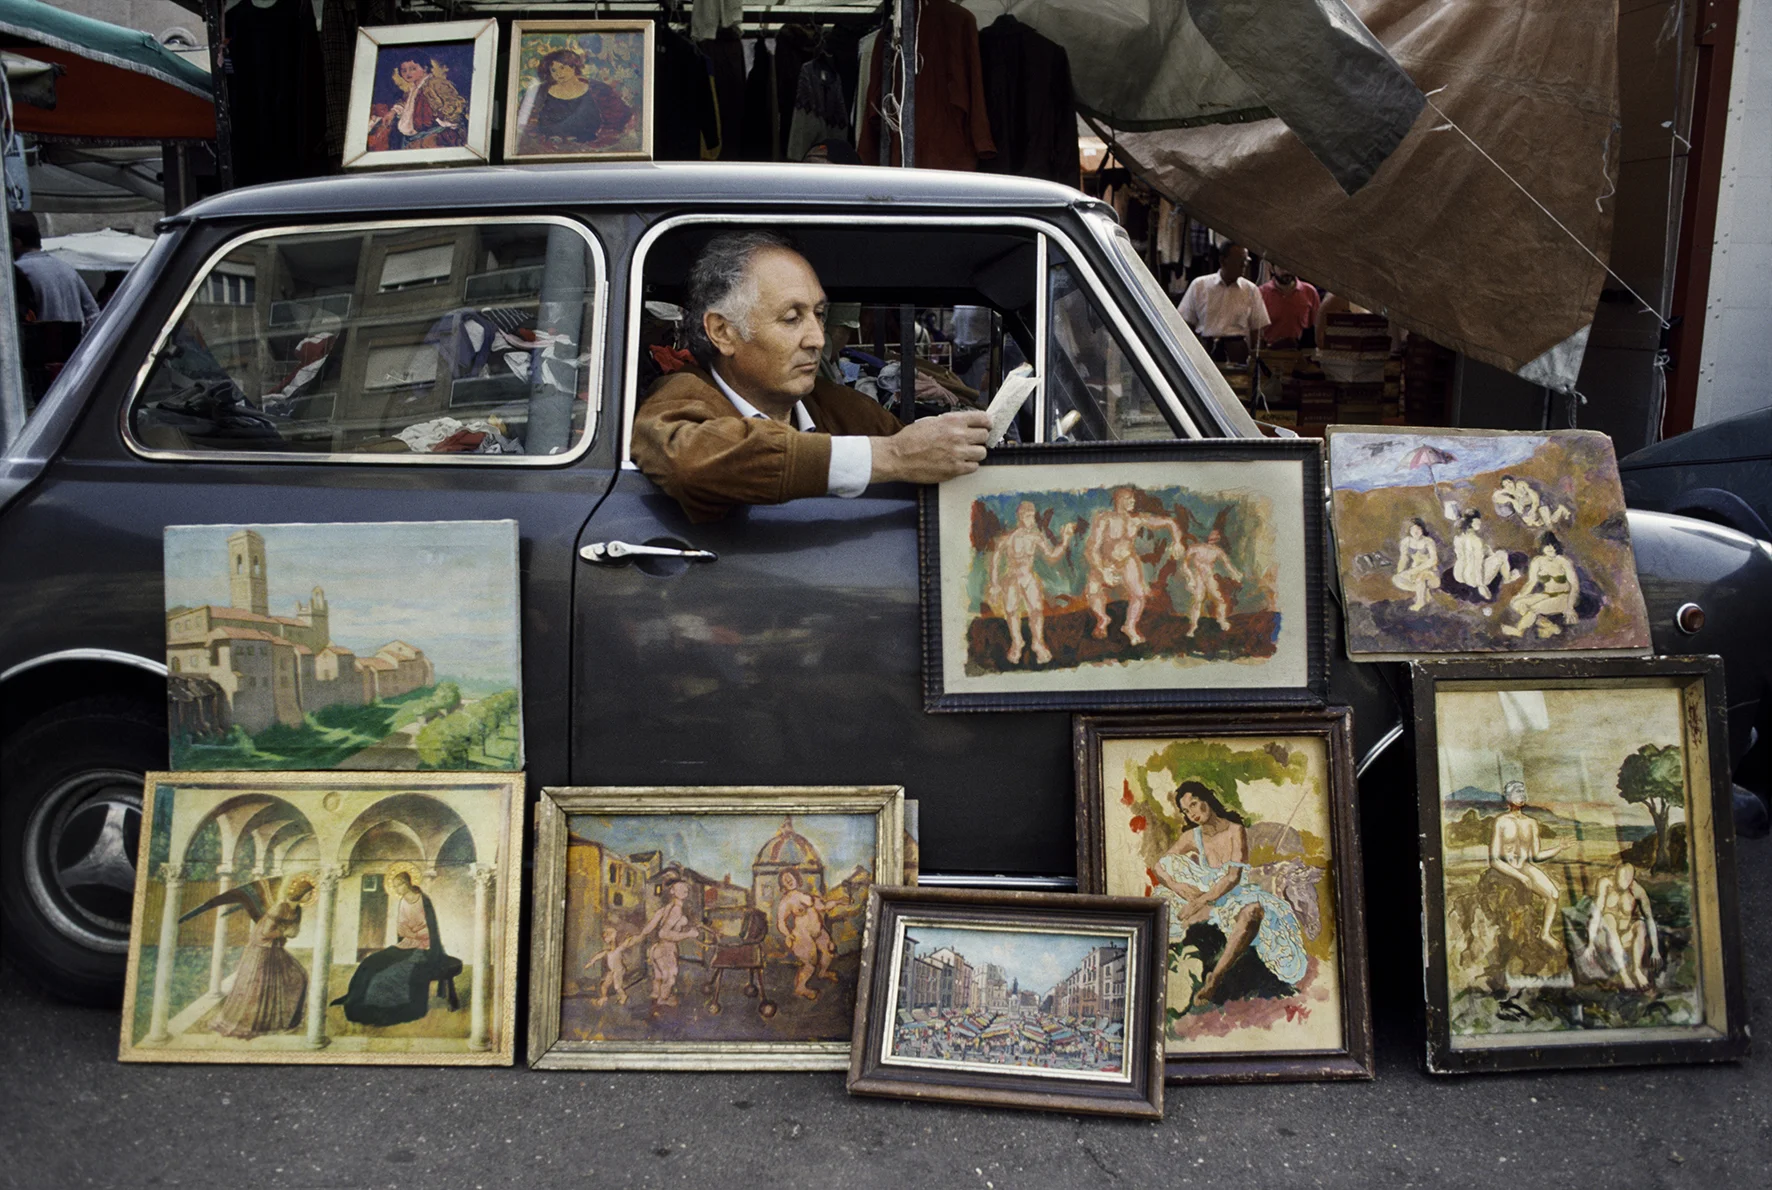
(218, 79)
(907, 115)
(12, 372)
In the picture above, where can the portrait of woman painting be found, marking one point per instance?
(1166, 572)
(1244, 829)
(580, 91)
(421, 94)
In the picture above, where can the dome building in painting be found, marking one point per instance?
(787, 850)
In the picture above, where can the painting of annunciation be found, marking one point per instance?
(325, 918)
(344, 646)
(1467, 542)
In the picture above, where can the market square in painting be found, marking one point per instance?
(321, 917)
(1168, 575)
(1573, 839)
(1465, 542)
(1011, 999)
(353, 646)
(1258, 967)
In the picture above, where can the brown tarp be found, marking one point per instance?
(1440, 239)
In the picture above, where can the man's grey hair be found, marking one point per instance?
(722, 282)
(1514, 792)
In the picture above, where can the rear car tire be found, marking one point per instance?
(70, 822)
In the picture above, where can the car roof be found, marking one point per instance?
(633, 184)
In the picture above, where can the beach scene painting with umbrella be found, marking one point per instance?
(1462, 542)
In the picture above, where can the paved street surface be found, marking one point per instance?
(70, 1116)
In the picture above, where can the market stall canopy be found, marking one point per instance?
(105, 251)
(1444, 240)
(117, 84)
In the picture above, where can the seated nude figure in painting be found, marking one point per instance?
(1111, 549)
(1621, 926)
(1418, 563)
(1552, 589)
(1201, 876)
(1014, 586)
(1515, 853)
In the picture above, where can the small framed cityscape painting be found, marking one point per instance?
(312, 647)
(1243, 826)
(715, 928)
(1470, 542)
(579, 91)
(1013, 999)
(421, 95)
(326, 918)
(1145, 574)
(1578, 863)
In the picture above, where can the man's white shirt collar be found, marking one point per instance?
(802, 418)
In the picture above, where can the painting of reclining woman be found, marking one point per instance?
(1465, 542)
(1576, 855)
(325, 918)
(1161, 577)
(1240, 830)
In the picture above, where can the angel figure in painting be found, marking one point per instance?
(1620, 927)
(1515, 852)
(1201, 876)
(1552, 589)
(1111, 549)
(1014, 586)
(1473, 563)
(800, 917)
(1418, 563)
(1516, 497)
(615, 973)
(270, 987)
(1200, 564)
(563, 110)
(393, 985)
(430, 116)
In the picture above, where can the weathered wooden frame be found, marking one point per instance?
(481, 34)
(1141, 1097)
(1699, 680)
(547, 1051)
(1334, 726)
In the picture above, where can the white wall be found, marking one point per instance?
(1735, 373)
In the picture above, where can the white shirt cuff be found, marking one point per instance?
(852, 465)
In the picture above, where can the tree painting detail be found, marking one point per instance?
(1655, 778)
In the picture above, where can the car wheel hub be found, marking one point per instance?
(80, 855)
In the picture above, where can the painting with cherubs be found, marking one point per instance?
(1463, 542)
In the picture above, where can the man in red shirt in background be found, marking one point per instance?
(1291, 310)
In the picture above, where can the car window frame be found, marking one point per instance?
(596, 349)
(1046, 232)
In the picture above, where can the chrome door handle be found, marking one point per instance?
(621, 551)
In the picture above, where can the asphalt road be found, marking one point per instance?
(71, 1116)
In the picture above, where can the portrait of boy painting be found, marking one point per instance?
(580, 91)
(421, 94)
(733, 932)
(1244, 835)
(344, 646)
(1111, 585)
(325, 918)
(1578, 899)
(1461, 542)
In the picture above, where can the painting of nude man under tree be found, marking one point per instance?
(326, 918)
(1466, 542)
(704, 929)
(1148, 574)
(383, 646)
(1577, 863)
(1243, 826)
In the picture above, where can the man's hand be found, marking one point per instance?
(933, 449)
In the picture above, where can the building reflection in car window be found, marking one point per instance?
(466, 341)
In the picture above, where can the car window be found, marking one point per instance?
(441, 341)
(1094, 391)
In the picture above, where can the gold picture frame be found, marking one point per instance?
(248, 862)
(450, 120)
(602, 114)
(626, 899)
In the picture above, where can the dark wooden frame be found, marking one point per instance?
(1141, 1098)
(1708, 1043)
(1334, 726)
(1102, 457)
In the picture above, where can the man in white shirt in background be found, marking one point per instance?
(1225, 308)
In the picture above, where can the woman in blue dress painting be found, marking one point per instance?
(393, 985)
(564, 111)
(1202, 878)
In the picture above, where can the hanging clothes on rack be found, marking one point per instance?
(339, 21)
(684, 116)
(821, 112)
(276, 95)
(757, 133)
(864, 61)
(709, 17)
(725, 55)
(795, 45)
(1027, 91)
(953, 128)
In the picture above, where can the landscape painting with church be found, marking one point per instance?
(325, 918)
(386, 646)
